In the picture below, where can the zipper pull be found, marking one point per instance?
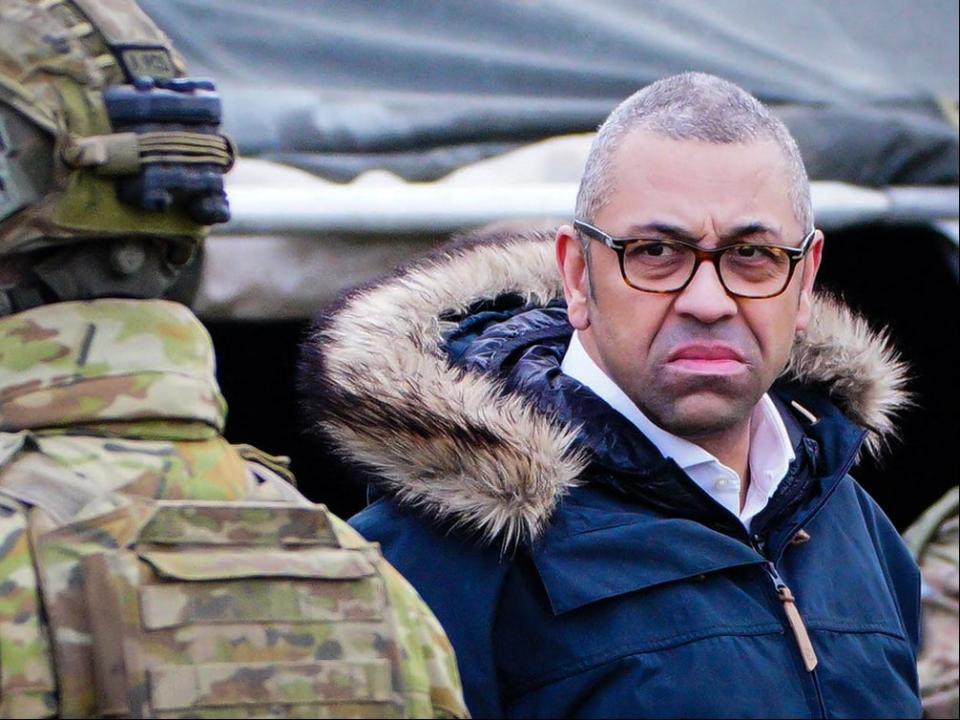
(807, 652)
(799, 629)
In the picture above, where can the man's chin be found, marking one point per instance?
(705, 413)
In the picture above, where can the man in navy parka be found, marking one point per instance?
(614, 458)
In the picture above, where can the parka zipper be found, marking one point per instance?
(794, 619)
(783, 591)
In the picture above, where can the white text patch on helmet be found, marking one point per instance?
(152, 62)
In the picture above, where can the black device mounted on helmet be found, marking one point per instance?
(182, 155)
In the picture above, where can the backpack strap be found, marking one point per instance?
(277, 464)
(37, 481)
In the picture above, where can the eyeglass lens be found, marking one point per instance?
(748, 270)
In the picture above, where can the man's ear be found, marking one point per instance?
(575, 274)
(811, 264)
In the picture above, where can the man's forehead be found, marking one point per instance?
(648, 149)
(693, 183)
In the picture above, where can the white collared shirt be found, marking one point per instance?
(770, 450)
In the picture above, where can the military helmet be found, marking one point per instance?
(102, 135)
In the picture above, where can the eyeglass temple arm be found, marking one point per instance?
(597, 234)
(799, 252)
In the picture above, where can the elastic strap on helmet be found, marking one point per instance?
(126, 153)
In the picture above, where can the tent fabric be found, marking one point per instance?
(423, 87)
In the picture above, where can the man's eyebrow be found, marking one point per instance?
(674, 232)
(749, 229)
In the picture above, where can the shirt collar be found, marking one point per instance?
(770, 450)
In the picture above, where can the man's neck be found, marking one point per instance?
(732, 448)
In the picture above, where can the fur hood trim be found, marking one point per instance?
(455, 445)
(857, 365)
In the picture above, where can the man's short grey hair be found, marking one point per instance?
(691, 106)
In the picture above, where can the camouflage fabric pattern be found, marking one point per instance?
(54, 64)
(75, 393)
(82, 363)
(226, 607)
(27, 684)
(935, 541)
(246, 610)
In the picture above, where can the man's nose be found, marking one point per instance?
(705, 298)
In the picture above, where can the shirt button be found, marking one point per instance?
(723, 483)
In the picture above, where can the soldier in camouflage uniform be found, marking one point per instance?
(147, 567)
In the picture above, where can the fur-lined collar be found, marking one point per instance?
(453, 443)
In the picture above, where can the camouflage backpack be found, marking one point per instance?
(933, 538)
(166, 608)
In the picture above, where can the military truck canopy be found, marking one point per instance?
(421, 87)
